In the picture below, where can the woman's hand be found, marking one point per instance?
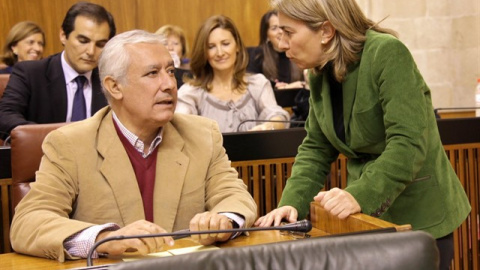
(338, 202)
(275, 217)
(282, 85)
(271, 125)
(265, 126)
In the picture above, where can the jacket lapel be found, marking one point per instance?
(172, 166)
(328, 127)
(57, 88)
(118, 172)
(349, 91)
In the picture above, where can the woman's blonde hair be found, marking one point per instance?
(201, 69)
(18, 32)
(348, 20)
(169, 30)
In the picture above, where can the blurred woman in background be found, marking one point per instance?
(25, 41)
(176, 44)
(272, 61)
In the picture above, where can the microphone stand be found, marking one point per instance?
(300, 226)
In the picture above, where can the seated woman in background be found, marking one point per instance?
(25, 41)
(272, 61)
(221, 89)
(176, 44)
(178, 48)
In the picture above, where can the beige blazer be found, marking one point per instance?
(86, 178)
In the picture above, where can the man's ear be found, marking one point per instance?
(63, 37)
(328, 32)
(113, 88)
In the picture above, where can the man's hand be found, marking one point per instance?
(142, 245)
(338, 202)
(210, 221)
(275, 216)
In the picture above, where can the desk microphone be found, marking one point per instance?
(269, 121)
(299, 226)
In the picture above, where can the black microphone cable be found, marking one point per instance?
(299, 226)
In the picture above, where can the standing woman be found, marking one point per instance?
(272, 61)
(25, 41)
(221, 89)
(370, 103)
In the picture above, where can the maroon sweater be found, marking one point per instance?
(145, 170)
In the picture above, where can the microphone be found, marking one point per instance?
(269, 121)
(299, 226)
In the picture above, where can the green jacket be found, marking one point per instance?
(397, 167)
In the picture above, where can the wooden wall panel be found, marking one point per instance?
(140, 14)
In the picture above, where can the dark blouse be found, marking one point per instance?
(256, 60)
(7, 70)
(336, 96)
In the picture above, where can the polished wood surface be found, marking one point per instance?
(20, 262)
(457, 114)
(324, 221)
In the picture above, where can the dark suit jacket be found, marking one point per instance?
(36, 93)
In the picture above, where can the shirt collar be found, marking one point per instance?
(135, 141)
(70, 73)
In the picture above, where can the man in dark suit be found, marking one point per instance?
(45, 91)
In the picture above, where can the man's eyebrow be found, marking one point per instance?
(155, 66)
(80, 36)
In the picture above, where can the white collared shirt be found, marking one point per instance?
(70, 75)
(135, 141)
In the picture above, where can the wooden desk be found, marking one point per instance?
(19, 262)
(323, 224)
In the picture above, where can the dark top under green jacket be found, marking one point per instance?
(397, 167)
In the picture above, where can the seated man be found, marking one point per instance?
(133, 168)
(45, 91)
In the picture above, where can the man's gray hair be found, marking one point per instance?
(115, 59)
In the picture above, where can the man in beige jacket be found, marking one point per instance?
(134, 168)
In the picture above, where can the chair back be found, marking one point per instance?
(26, 153)
(3, 83)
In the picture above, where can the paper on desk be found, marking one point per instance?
(186, 250)
(173, 252)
